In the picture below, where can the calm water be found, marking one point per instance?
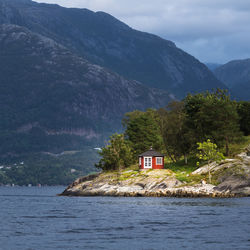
(35, 218)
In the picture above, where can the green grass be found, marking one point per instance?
(183, 172)
(236, 148)
(180, 166)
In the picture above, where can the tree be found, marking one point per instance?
(243, 109)
(213, 115)
(116, 155)
(208, 152)
(143, 130)
(176, 136)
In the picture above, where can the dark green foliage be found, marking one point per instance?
(174, 130)
(116, 155)
(47, 168)
(214, 116)
(143, 131)
(177, 128)
(243, 109)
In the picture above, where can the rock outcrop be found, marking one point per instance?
(232, 176)
(154, 183)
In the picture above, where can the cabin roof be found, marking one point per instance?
(151, 152)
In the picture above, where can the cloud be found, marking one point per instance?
(211, 30)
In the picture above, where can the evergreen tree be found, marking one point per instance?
(176, 136)
(143, 130)
(213, 115)
(243, 109)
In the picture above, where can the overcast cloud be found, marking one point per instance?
(211, 30)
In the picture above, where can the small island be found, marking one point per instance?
(198, 147)
(232, 176)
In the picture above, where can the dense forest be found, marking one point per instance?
(176, 129)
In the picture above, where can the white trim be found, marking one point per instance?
(139, 161)
(147, 162)
(159, 159)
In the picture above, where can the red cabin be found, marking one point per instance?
(151, 159)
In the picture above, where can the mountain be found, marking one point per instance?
(67, 76)
(47, 89)
(56, 107)
(212, 66)
(236, 75)
(234, 72)
(242, 91)
(104, 40)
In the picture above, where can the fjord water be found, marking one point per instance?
(35, 218)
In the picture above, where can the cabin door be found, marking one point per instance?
(147, 162)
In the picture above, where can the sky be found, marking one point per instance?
(215, 31)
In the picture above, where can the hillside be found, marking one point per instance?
(236, 75)
(68, 76)
(47, 90)
(54, 101)
(106, 41)
(212, 66)
(234, 72)
(242, 91)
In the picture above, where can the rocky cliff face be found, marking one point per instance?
(106, 41)
(47, 88)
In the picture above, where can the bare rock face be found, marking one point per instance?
(233, 175)
(237, 178)
(156, 183)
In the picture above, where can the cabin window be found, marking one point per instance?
(158, 160)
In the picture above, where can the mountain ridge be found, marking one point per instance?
(106, 41)
(236, 75)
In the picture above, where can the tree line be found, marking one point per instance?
(177, 128)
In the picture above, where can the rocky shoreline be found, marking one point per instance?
(232, 176)
(199, 190)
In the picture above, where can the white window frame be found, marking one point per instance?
(159, 159)
(147, 162)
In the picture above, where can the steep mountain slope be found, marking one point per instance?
(46, 91)
(106, 41)
(234, 72)
(212, 66)
(242, 91)
(236, 75)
